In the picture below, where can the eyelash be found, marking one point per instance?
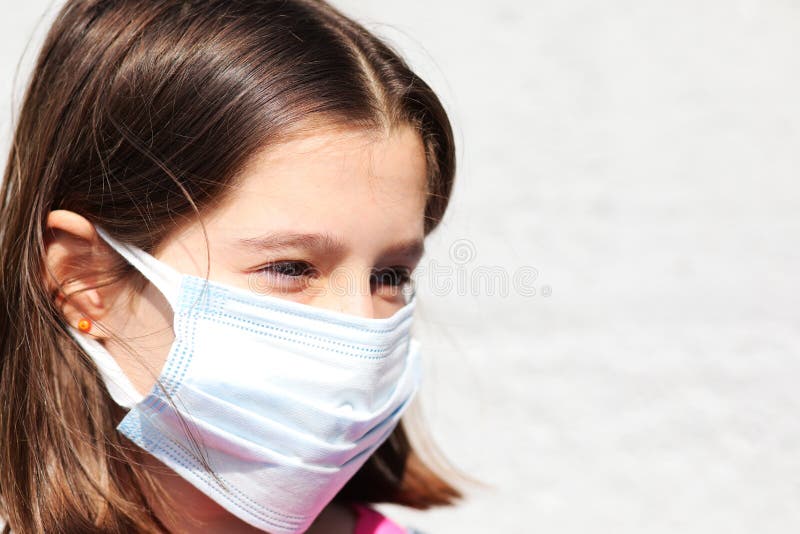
(399, 276)
(395, 276)
(278, 268)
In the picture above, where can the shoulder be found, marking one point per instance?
(370, 521)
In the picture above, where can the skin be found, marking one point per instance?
(363, 191)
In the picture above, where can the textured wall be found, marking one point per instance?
(643, 158)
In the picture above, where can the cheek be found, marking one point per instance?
(386, 306)
(385, 309)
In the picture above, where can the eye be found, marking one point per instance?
(393, 277)
(292, 269)
(285, 276)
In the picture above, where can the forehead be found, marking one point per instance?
(348, 180)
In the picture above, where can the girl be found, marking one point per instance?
(208, 219)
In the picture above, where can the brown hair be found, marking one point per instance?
(137, 116)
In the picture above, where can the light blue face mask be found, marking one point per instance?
(286, 400)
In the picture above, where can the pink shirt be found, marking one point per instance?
(369, 521)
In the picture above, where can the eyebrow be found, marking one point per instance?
(325, 244)
(413, 249)
(280, 241)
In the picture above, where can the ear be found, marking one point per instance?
(76, 260)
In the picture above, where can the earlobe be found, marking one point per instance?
(74, 264)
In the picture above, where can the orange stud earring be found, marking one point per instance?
(84, 325)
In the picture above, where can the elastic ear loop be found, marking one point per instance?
(161, 275)
(117, 382)
(167, 280)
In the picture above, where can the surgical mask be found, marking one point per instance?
(285, 400)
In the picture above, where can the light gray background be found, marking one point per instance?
(643, 157)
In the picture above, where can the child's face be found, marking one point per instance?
(334, 220)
